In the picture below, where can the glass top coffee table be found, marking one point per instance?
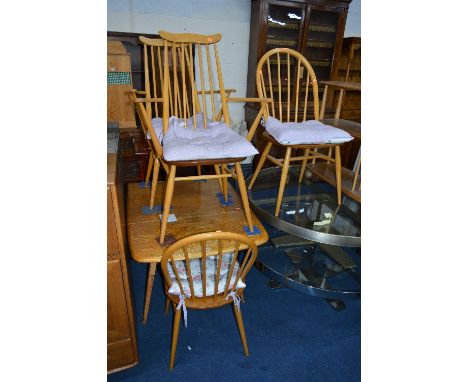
(315, 242)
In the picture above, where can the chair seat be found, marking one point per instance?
(211, 269)
(217, 141)
(307, 132)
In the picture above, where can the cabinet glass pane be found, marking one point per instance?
(284, 24)
(321, 38)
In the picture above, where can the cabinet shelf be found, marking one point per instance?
(320, 63)
(320, 44)
(322, 28)
(276, 42)
(286, 26)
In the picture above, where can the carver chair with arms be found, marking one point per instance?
(153, 92)
(288, 79)
(205, 271)
(187, 135)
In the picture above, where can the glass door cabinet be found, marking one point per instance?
(314, 28)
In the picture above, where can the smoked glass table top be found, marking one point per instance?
(309, 209)
(319, 270)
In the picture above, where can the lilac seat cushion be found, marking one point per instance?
(307, 132)
(216, 141)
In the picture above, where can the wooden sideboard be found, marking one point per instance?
(121, 339)
(348, 70)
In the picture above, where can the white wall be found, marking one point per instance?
(353, 21)
(229, 17)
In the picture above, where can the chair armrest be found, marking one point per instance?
(136, 99)
(137, 91)
(260, 114)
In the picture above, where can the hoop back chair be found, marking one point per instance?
(190, 105)
(287, 78)
(203, 271)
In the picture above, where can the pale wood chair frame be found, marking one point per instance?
(152, 47)
(180, 251)
(310, 150)
(177, 104)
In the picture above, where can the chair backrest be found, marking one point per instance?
(181, 97)
(153, 75)
(287, 77)
(203, 246)
(150, 106)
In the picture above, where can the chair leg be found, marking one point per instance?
(149, 290)
(244, 197)
(218, 172)
(150, 167)
(240, 325)
(167, 201)
(225, 182)
(165, 167)
(199, 170)
(284, 175)
(356, 173)
(168, 304)
(304, 163)
(175, 336)
(338, 173)
(260, 164)
(154, 182)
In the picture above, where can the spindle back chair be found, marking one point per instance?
(288, 79)
(187, 99)
(153, 53)
(191, 283)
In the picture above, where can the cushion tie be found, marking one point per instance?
(184, 308)
(235, 298)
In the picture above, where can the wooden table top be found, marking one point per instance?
(343, 85)
(197, 210)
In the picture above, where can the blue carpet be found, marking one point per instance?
(291, 336)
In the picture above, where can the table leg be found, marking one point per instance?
(149, 289)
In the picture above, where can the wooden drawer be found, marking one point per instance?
(112, 244)
(118, 327)
(120, 355)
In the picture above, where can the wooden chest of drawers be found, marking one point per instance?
(121, 338)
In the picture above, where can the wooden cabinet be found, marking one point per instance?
(314, 28)
(121, 339)
(119, 83)
(349, 70)
(134, 49)
(133, 156)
